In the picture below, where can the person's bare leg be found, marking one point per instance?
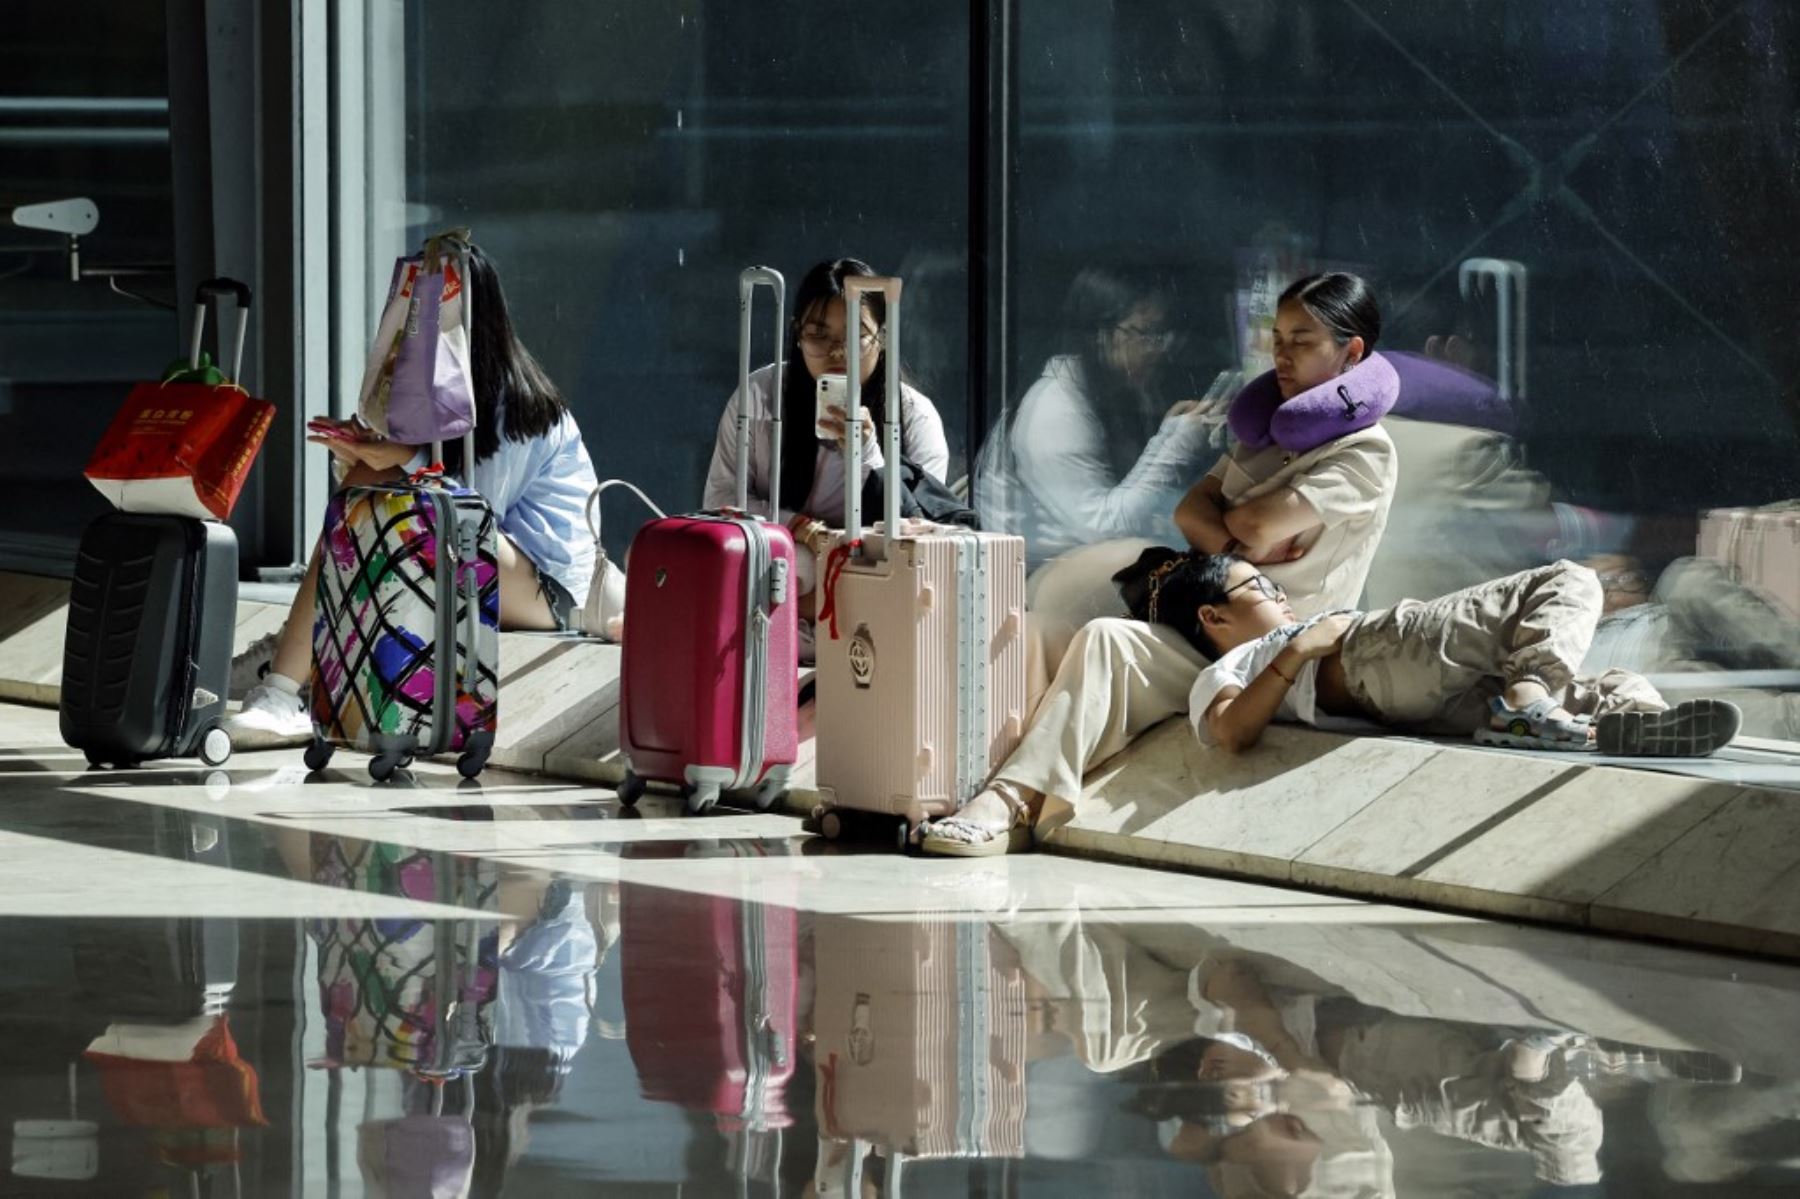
(523, 605)
(293, 649)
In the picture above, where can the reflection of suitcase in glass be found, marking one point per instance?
(1761, 548)
(921, 1032)
(920, 644)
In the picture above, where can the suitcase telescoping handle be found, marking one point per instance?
(205, 292)
(855, 288)
(748, 282)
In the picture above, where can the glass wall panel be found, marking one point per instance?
(623, 162)
(1574, 216)
(81, 115)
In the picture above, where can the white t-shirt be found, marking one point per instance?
(1235, 668)
(921, 439)
(1350, 483)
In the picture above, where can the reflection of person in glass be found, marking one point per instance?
(1306, 491)
(812, 483)
(1095, 452)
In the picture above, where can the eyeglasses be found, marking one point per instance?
(1150, 339)
(821, 344)
(1263, 583)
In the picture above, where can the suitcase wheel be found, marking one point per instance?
(701, 797)
(215, 746)
(318, 754)
(903, 836)
(831, 826)
(382, 766)
(95, 761)
(476, 750)
(631, 789)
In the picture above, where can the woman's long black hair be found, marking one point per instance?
(1098, 300)
(799, 444)
(514, 398)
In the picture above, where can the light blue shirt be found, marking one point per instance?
(539, 491)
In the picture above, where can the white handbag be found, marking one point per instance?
(603, 615)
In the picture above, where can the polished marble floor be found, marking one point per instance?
(249, 982)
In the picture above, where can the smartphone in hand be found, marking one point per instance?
(833, 401)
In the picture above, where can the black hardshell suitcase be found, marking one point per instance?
(147, 652)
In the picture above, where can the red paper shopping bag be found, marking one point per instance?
(183, 449)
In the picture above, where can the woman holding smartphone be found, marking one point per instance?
(812, 481)
(531, 467)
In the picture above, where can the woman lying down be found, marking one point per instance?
(1497, 660)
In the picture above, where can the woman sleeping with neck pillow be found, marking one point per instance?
(1305, 492)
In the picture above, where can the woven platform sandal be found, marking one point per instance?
(959, 837)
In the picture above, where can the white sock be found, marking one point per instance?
(282, 684)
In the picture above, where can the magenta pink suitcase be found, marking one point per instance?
(921, 677)
(711, 651)
(1761, 548)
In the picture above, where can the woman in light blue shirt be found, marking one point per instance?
(530, 466)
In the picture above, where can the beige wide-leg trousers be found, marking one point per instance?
(1117, 679)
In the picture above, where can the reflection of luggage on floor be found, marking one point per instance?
(405, 994)
(709, 670)
(147, 650)
(421, 1153)
(709, 988)
(167, 1060)
(406, 644)
(168, 971)
(920, 1033)
(180, 1076)
(1760, 546)
(921, 644)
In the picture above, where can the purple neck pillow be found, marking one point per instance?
(1434, 390)
(1354, 400)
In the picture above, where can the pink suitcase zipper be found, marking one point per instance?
(921, 678)
(709, 665)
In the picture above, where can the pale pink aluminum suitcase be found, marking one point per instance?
(920, 1036)
(920, 645)
(1761, 546)
(709, 672)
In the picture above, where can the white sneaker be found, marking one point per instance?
(249, 667)
(270, 718)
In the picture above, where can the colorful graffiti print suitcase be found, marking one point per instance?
(406, 642)
(709, 672)
(920, 1033)
(921, 648)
